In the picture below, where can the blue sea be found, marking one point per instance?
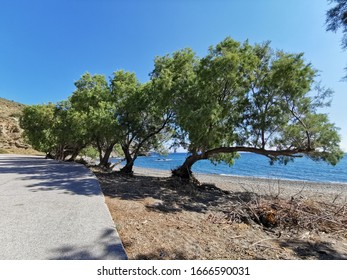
(255, 166)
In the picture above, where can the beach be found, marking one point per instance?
(160, 218)
(286, 188)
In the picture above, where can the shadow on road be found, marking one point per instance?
(48, 175)
(110, 250)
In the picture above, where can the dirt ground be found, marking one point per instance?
(159, 218)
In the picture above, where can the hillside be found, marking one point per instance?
(11, 140)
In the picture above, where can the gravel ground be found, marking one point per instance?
(159, 218)
(286, 188)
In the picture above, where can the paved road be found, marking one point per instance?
(53, 210)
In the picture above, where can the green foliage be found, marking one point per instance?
(141, 118)
(172, 76)
(336, 19)
(117, 150)
(38, 122)
(226, 158)
(90, 152)
(248, 97)
(54, 129)
(92, 102)
(239, 97)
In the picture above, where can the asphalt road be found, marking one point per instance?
(53, 210)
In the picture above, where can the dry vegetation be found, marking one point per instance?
(160, 218)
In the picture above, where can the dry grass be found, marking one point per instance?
(293, 215)
(160, 218)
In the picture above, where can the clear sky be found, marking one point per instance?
(47, 45)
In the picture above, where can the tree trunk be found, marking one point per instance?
(99, 150)
(74, 155)
(76, 151)
(128, 168)
(185, 170)
(59, 154)
(104, 161)
(49, 155)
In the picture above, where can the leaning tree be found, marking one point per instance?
(244, 98)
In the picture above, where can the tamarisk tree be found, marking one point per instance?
(142, 123)
(92, 99)
(54, 129)
(336, 19)
(244, 98)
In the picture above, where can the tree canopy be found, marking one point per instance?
(54, 129)
(336, 19)
(93, 101)
(141, 121)
(253, 99)
(238, 98)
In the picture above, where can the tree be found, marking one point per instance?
(171, 77)
(54, 129)
(247, 98)
(93, 101)
(141, 121)
(37, 122)
(337, 19)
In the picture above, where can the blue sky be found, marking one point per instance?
(47, 45)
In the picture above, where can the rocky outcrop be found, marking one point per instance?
(11, 135)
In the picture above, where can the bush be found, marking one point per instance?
(90, 152)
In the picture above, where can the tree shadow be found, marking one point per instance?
(312, 250)
(104, 248)
(168, 194)
(40, 174)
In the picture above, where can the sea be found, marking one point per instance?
(253, 165)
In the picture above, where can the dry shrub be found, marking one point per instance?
(293, 214)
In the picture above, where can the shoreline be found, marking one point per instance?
(322, 191)
(167, 173)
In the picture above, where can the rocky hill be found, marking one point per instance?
(11, 140)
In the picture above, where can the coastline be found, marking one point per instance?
(322, 191)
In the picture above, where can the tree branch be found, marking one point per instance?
(264, 152)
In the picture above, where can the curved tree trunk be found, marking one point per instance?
(185, 170)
